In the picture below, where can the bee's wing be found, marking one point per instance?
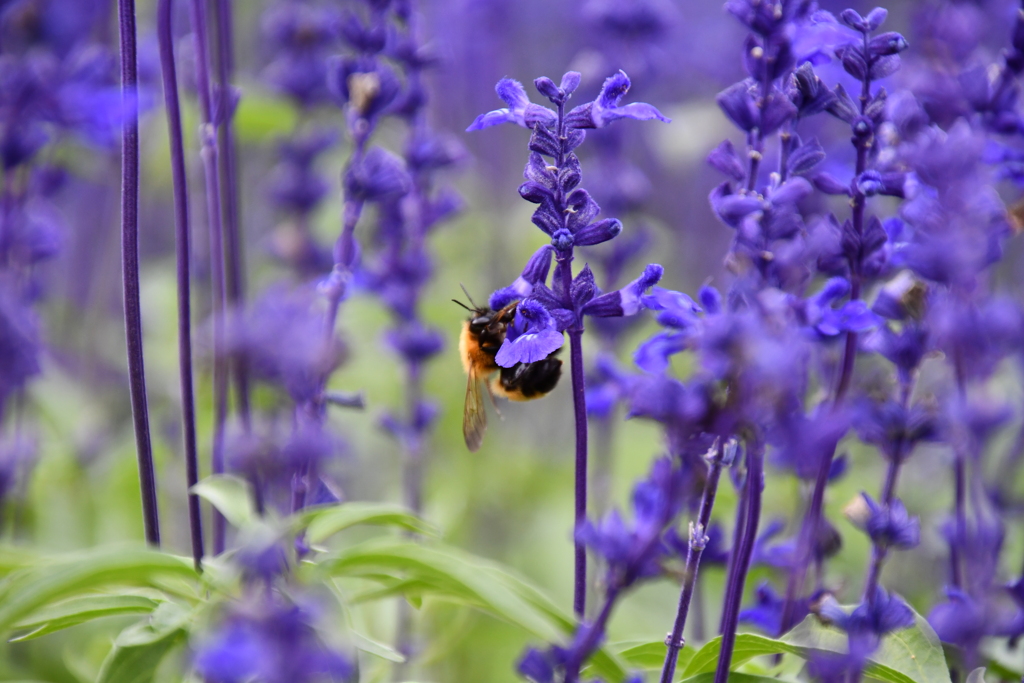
(474, 417)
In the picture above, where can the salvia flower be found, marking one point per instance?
(585, 299)
(519, 111)
(270, 640)
(282, 338)
(888, 526)
(881, 614)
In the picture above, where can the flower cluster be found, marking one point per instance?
(569, 216)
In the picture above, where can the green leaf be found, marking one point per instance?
(447, 573)
(13, 559)
(139, 649)
(913, 655)
(747, 646)
(231, 495)
(29, 589)
(80, 610)
(321, 523)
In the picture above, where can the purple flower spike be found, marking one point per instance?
(532, 337)
(520, 110)
(605, 108)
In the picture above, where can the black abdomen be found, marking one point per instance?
(531, 380)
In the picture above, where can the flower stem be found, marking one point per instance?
(579, 403)
(234, 262)
(130, 269)
(208, 153)
(738, 574)
(675, 641)
(165, 37)
(737, 541)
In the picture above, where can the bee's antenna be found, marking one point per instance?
(464, 305)
(466, 292)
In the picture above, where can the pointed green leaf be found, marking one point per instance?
(321, 523)
(80, 610)
(747, 646)
(447, 573)
(231, 495)
(139, 649)
(72, 575)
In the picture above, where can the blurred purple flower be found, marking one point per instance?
(282, 338)
(634, 551)
(269, 640)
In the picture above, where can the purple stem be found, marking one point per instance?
(130, 269)
(579, 402)
(208, 153)
(165, 37)
(737, 541)
(675, 640)
(738, 574)
(235, 264)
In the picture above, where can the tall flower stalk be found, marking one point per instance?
(227, 157)
(130, 268)
(168, 68)
(860, 255)
(208, 152)
(566, 213)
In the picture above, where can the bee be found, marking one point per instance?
(481, 337)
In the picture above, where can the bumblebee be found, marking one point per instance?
(481, 337)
